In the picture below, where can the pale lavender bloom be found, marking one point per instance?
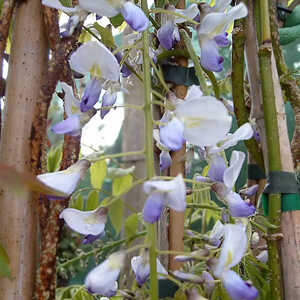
(164, 193)
(108, 100)
(89, 223)
(153, 208)
(70, 26)
(225, 178)
(237, 288)
(212, 34)
(250, 191)
(189, 277)
(70, 126)
(91, 95)
(233, 249)
(263, 256)
(171, 134)
(165, 160)
(168, 34)
(102, 279)
(134, 16)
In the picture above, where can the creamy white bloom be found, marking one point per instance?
(85, 222)
(93, 57)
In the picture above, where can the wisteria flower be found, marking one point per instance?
(233, 249)
(89, 223)
(224, 179)
(216, 234)
(163, 193)
(67, 180)
(168, 34)
(75, 118)
(165, 159)
(245, 132)
(206, 120)
(102, 280)
(133, 15)
(141, 268)
(212, 33)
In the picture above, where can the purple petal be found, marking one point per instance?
(165, 160)
(91, 95)
(124, 70)
(134, 16)
(165, 35)
(237, 288)
(88, 239)
(171, 135)
(217, 168)
(210, 58)
(108, 100)
(197, 18)
(98, 17)
(251, 191)
(69, 126)
(209, 282)
(222, 40)
(153, 208)
(238, 207)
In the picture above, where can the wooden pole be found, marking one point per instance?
(176, 219)
(18, 221)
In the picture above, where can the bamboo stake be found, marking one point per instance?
(18, 214)
(176, 219)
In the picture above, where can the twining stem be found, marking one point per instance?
(273, 142)
(93, 158)
(214, 83)
(152, 234)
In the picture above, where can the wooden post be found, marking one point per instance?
(176, 219)
(18, 221)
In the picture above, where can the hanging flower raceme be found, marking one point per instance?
(141, 268)
(212, 33)
(75, 118)
(163, 193)
(200, 120)
(89, 223)
(233, 249)
(67, 180)
(224, 179)
(94, 58)
(102, 280)
(168, 34)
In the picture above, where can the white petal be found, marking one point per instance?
(191, 12)
(101, 7)
(85, 222)
(160, 269)
(95, 53)
(217, 233)
(71, 103)
(245, 132)
(231, 174)
(206, 120)
(233, 248)
(102, 279)
(67, 180)
(221, 5)
(193, 93)
(175, 191)
(263, 256)
(56, 4)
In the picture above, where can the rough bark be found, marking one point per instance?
(18, 214)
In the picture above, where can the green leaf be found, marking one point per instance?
(131, 225)
(121, 184)
(4, 263)
(78, 203)
(116, 215)
(84, 37)
(54, 159)
(92, 201)
(106, 35)
(180, 295)
(98, 173)
(67, 3)
(117, 20)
